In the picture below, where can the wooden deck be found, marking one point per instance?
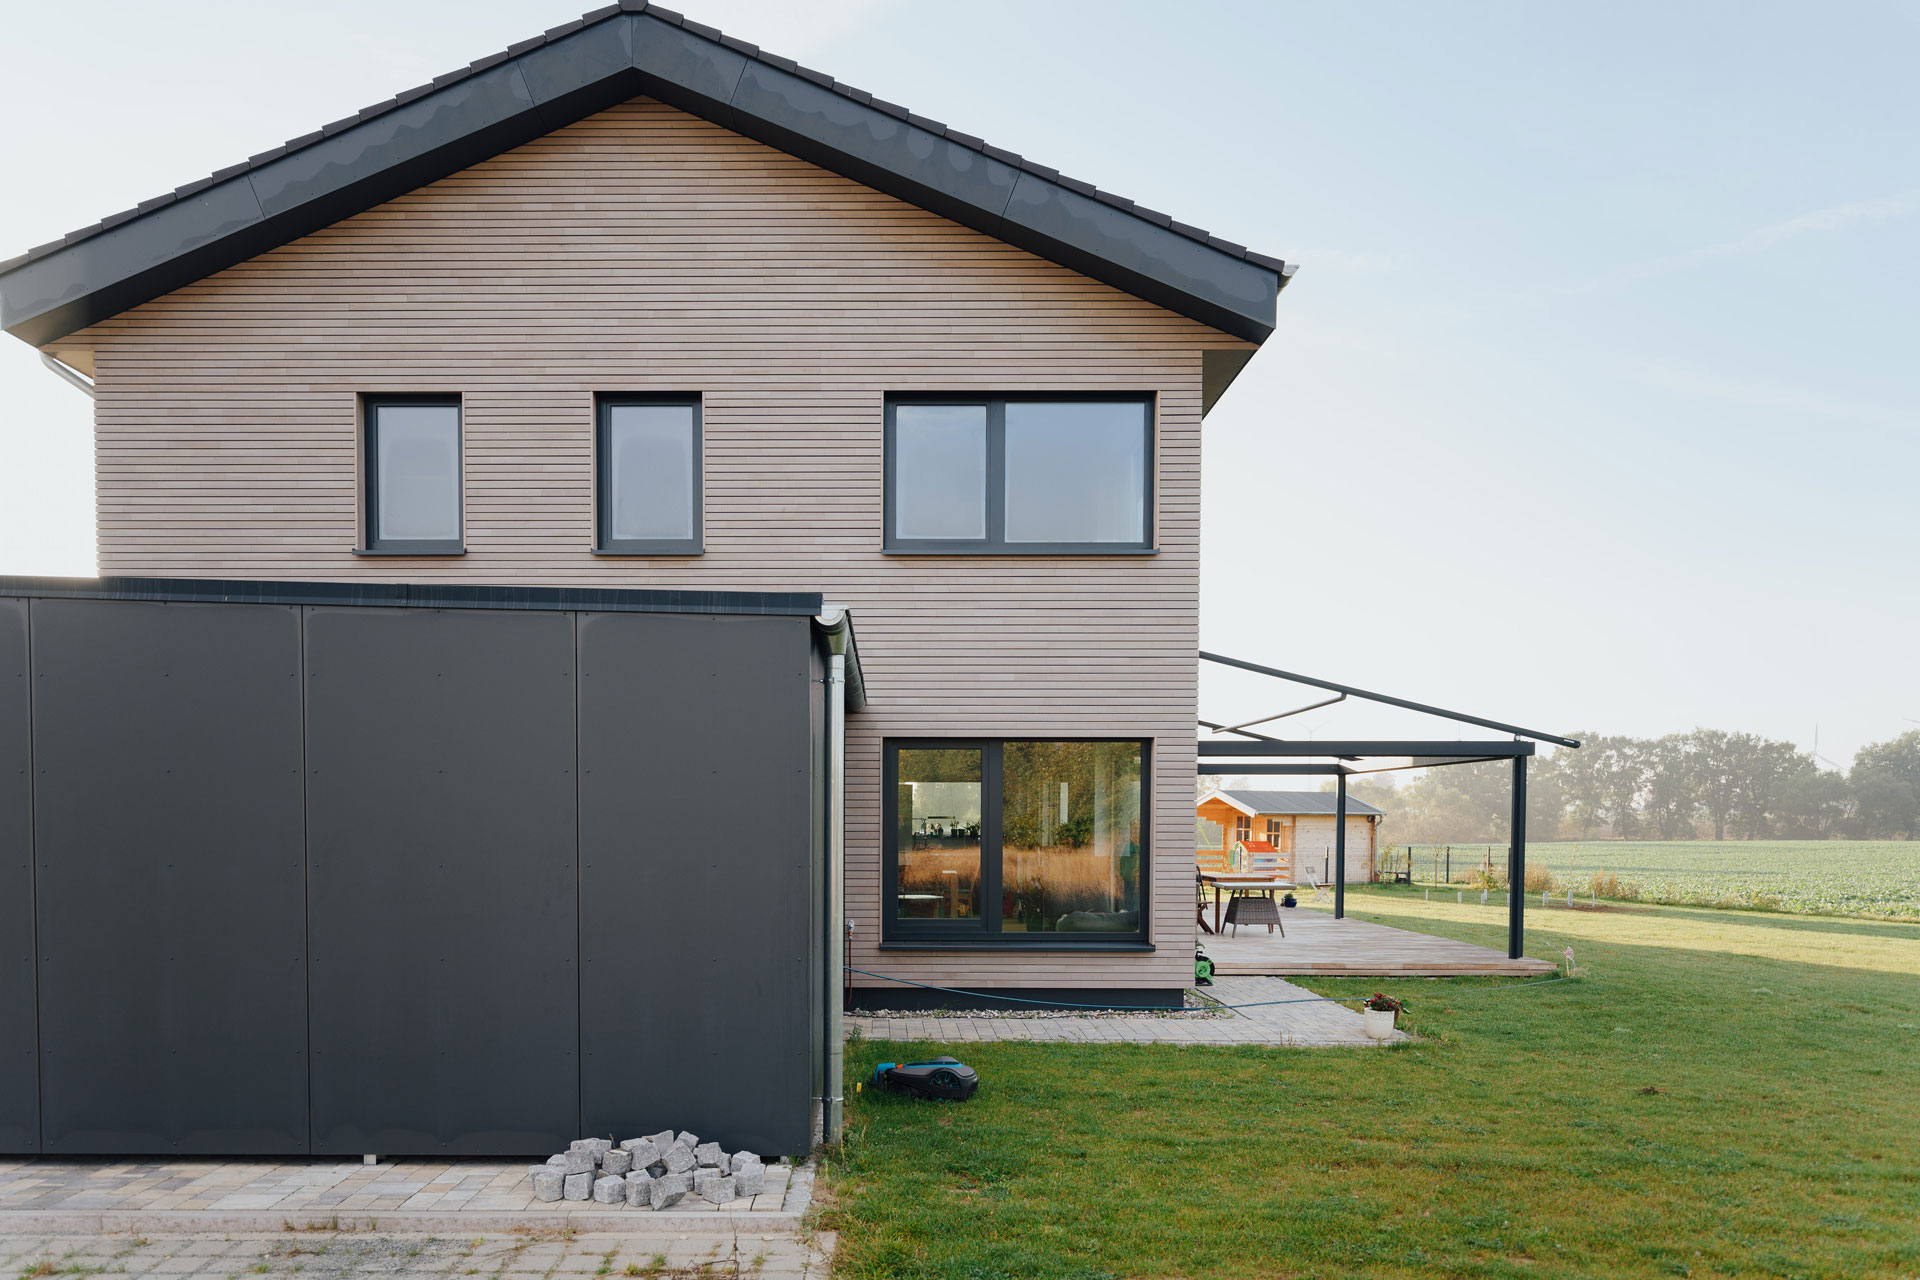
(1317, 943)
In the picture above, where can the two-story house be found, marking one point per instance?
(635, 305)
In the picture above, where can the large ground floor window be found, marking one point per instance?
(1002, 841)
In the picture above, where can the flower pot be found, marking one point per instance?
(1378, 1023)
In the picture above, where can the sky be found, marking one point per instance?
(1595, 403)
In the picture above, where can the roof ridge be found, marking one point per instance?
(593, 18)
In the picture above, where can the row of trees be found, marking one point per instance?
(1707, 784)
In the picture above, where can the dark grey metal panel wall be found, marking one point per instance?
(695, 853)
(443, 881)
(19, 1040)
(170, 879)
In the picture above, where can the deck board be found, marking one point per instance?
(1317, 943)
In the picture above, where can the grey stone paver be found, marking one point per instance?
(416, 1256)
(1302, 1021)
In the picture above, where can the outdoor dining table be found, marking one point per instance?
(1239, 882)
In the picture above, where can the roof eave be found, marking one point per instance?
(504, 101)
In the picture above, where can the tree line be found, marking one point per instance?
(1707, 784)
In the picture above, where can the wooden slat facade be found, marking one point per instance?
(644, 249)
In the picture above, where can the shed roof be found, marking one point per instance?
(584, 66)
(1258, 803)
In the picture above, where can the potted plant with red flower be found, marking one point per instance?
(1378, 1013)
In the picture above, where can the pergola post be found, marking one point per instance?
(1340, 846)
(1517, 863)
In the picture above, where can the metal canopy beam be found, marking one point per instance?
(1356, 749)
(1385, 698)
(1251, 767)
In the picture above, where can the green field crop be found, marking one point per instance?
(1820, 877)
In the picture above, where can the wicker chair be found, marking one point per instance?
(1253, 908)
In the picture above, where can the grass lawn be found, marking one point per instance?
(1722, 1093)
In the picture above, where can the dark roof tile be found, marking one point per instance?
(740, 46)
(154, 203)
(17, 260)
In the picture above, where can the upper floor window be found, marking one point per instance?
(1067, 474)
(412, 456)
(649, 475)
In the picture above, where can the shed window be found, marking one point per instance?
(649, 475)
(996, 841)
(413, 474)
(1019, 475)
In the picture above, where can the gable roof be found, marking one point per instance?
(1257, 803)
(587, 65)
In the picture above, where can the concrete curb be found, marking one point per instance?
(587, 1217)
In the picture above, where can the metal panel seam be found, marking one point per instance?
(33, 887)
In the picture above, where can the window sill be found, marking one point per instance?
(1078, 549)
(395, 551)
(1093, 942)
(646, 555)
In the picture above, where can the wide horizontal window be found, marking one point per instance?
(1026, 474)
(649, 475)
(412, 464)
(1002, 840)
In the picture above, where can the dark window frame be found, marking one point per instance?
(371, 543)
(604, 543)
(995, 542)
(985, 933)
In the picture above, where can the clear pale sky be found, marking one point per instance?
(1596, 402)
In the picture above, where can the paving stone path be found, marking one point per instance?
(1302, 1021)
(325, 1255)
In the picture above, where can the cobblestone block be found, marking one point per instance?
(707, 1155)
(750, 1179)
(640, 1190)
(719, 1189)
(610, 1190)
(662, 1140)
(617, 1163)
(549, 1184)
(685, 1138)
(576, 1162)
(579, 1186)
(669, 1190)
(679, 1159)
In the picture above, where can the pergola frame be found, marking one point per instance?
(1343, 758)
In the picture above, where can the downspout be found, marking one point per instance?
(69, 374)
(836, 898)
(846, 691)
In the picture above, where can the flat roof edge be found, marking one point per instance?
(405, 595)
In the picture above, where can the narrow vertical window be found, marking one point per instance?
(649, 475)
(412, 454)
(940, 472)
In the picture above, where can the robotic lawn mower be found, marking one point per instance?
(944, 1078)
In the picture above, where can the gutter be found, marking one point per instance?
(69, 374)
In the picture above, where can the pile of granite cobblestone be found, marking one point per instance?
(654, 1172)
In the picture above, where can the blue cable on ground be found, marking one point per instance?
(1154, 1008)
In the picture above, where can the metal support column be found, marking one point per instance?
(1340, 846)
(1517, 863)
